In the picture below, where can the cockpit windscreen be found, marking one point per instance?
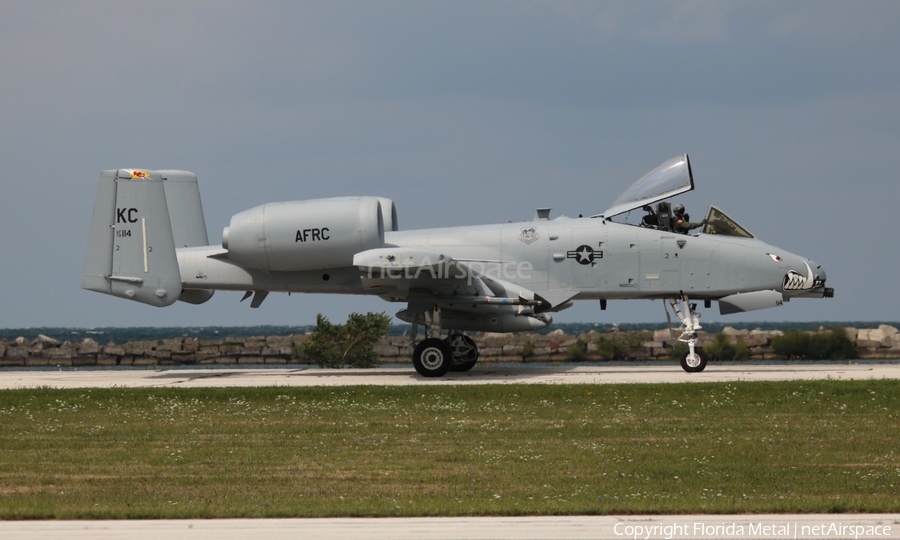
(721, 224)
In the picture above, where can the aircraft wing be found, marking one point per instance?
(419, 275)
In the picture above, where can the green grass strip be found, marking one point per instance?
(826, 446)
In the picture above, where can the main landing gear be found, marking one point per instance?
(435, 357)
(465, 351)
(694, 359)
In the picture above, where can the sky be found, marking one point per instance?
(462, 113)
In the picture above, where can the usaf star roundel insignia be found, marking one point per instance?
(584, 254)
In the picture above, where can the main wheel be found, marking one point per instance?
(432, 357)
(693, 363)
(465, 352)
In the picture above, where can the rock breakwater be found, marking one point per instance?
(872, 343)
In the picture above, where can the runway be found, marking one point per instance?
(177, 377)
(471, 528)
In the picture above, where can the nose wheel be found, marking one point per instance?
(693, 361)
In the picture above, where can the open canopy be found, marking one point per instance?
(667, 180)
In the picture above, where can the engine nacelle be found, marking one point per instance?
(305, 235)
(388, 214)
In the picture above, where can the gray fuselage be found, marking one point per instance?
(561, 259)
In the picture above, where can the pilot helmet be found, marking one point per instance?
(679, 209)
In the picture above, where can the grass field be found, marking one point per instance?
(823, 446)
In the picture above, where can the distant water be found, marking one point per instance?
(123, 335)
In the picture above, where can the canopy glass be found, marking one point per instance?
(667, 180)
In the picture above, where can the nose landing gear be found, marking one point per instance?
(694, 359)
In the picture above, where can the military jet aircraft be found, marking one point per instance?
(148, 243)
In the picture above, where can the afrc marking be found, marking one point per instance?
(312, 235)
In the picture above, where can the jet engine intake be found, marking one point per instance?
(305, 235)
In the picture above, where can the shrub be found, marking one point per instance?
(632, 340)
(678, 349)
(351, 344)
(611, 349)
(833, 344)
(722, 349)
(830, 344)
(577, 351)
(616, 346)
(791, 344)
(526, 351)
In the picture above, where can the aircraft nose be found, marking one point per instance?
(818, 273)
(821, 277)
(804, 276)
(808, 282)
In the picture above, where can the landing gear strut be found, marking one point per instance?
(465, 352)
(694, 359)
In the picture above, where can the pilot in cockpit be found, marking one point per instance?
(682, 221)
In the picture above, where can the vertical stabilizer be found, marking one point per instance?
(131, 250)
